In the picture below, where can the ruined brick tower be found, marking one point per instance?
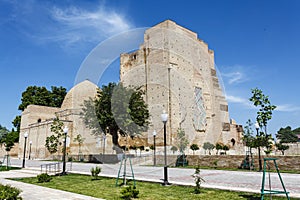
(178, 73)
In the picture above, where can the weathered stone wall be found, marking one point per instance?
(177, 71)
(233, 161)
(13, 152)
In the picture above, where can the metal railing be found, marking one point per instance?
(50, 168)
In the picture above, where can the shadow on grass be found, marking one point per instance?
(96, 179)
(250, 197)
(129, 182)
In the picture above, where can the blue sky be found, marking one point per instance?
(256, 44)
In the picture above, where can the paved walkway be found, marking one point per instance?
(221, 179)
(34, 192)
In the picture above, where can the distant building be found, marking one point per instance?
(37, 120)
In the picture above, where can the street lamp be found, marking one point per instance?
(65, 130)
(164, 119)
(154, 159)
(104, 138)
(25, 137)
(30, 143)
(259, 158)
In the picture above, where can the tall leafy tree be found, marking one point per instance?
(264, 114)
(17, 122)
(117, 110)
(296, 131)
(40, 96)
(8, 138)
(53, 141)
(248, 138)
(3, 132)
(286, 135)
(265, 108)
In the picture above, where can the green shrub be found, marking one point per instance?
(198, 180)
(129, 192)
(44, 177)
(9, 193)
(95, 172)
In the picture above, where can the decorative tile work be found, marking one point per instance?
(199, 111)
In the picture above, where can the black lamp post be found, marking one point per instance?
(65, 130)
(164, 119)
(24, 153)
(104, 138)
(30, 143)
(257, 135)
(154, 148)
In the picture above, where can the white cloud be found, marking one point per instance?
(76, 24)
(240, 100)
(234, 77)
(287, 108)
(248, 104)
(235, 74)
(50, 22)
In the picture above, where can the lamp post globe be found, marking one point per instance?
(24, 153)
(154, 148)
(164, 119)
(65, 130)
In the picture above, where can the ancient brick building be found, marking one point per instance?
(178, 73)
(36, 121)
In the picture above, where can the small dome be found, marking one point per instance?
(80, 92)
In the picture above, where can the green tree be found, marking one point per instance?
(248, 138)
(281, 147)
(3, 132)
(40, 96)
(174, 149)
(286, 135)
(17, 123)
(8, 139)
(296, 131)
(117, 109)
(225, 148)
(53, 141)
(80, 141)
(182, 141)
(142, 148)
(208, 146)
(264, 114)
(219, 146)
(194, 147)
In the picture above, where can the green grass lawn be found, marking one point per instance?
(4, 168)
(105, 188)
